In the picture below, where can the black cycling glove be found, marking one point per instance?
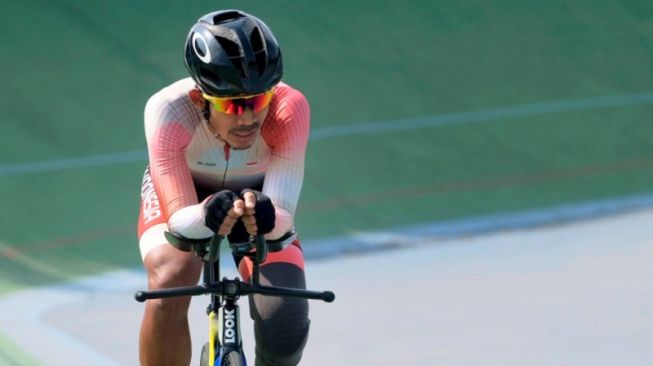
(216, 208)
(264, 211)
(238, 233)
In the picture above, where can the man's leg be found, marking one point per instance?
(165, 335)
(280, 323)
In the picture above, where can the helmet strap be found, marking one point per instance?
(206, 112)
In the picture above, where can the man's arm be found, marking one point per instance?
(288, 138)
(168, 131)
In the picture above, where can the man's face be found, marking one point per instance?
(236, 122)
(239, 131)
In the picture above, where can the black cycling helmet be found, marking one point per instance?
(231, 53)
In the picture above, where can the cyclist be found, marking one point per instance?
(226, 154)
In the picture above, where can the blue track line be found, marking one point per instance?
(434, 232)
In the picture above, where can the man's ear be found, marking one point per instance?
(196, 97)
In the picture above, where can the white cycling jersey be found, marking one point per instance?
(185, 155)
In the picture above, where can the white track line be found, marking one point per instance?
(486, 115)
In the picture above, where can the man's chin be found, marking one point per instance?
(239, 142)
(233, 147)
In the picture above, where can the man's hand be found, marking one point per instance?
(258, 212)
(222, 210)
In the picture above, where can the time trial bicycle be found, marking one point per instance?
(224, 347)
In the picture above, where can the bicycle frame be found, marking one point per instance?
(223, 311)
(224, 318)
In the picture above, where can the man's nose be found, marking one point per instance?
(246, 117)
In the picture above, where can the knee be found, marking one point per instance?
(281, 327)
(166, 269)
(281, 324)
(280, 339)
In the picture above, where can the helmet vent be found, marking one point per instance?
(258, 47)
(225, 17)
(256, 40)
(209, 76)
(261, 58)
(233, 51)
(230, 47)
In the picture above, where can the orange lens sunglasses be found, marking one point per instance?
(237, 105)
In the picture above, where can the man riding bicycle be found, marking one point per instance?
(226, 155)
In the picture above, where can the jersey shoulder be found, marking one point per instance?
(289, 114)
(287, 99)
(171, 105)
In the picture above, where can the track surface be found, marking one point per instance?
(559, 295)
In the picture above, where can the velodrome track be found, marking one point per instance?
(458, 109)
(560, 294)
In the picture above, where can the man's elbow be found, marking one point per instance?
(283, 223)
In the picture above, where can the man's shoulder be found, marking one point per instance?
(286, 92)
(173, 92)
(171, 105)
(289, 115)
(172, 102)
(288, 103)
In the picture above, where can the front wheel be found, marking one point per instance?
(233, 358)
(204, 359)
